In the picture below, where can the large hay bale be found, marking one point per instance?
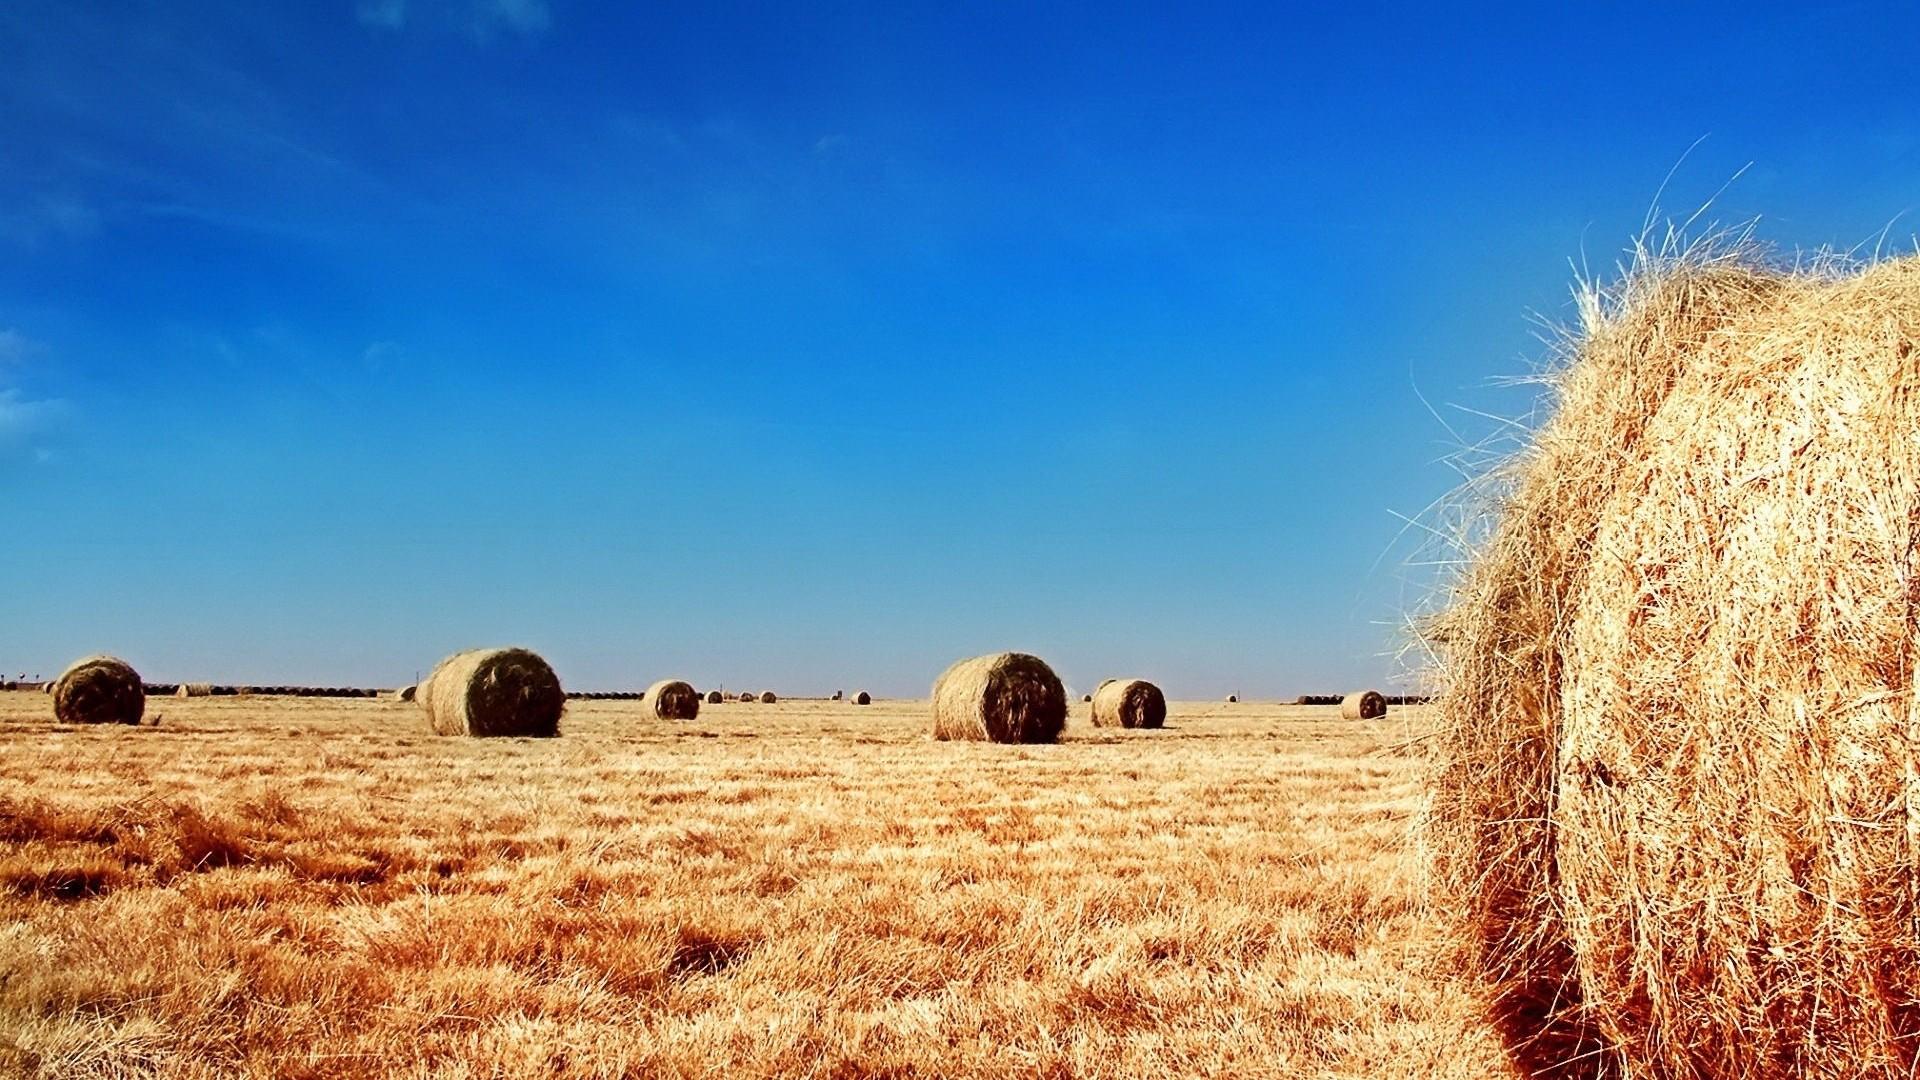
(1677, 803)
(1363, 705)
(99, 690)
(1001, 697)
(1129, 703)
(672, 699)
(194, 689)
(715, 697)
(861, 697)
(493, 692)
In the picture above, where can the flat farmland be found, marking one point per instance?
(321, 887)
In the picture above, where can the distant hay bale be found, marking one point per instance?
(747, 696)
(194, 689)
(838, 695)
(767, 698)
(672, 699)
(405, 693)
(1231, 698)
(99, 690)
(493, 692)
(1001, 697)
(861, 697)
(715, 697)
(1129, 703)
(1675, 807)
(1084, 698)
(1363, 705)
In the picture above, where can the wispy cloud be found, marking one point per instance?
(519, 16)
(382, 14)
(481, 18)
(25, 421)
(47, 218)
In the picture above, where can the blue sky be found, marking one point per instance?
(817, 346)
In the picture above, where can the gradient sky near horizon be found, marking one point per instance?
(815, 346)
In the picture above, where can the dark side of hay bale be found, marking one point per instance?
(493, 692)
(1129, 703)
(838, 695)
(1674, 810)
(672, 699)
(767, 697)
(715, 697)
(405, 693)
(1363, 705)
(1001, 697)
(861, 697)
(99, 690)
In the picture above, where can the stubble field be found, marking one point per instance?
(315, 887)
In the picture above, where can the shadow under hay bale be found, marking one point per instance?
(487, 692)
(99, 690)
(1129, 703)
(672, 699)
(1363, 705)
(1674, 808)
(1001, 697)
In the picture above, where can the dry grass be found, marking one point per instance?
(323, 888)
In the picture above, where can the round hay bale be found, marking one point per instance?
(861, 697)
(1363, 705)
(194, 689)
(1129, 703)
(715, 697)
(1677, 719)
(99, 690)
(1001, 697)
(672, 699)
(748, 696)
(767, 698)
(1084, 698)
(1232, 698)
(839, 695)
(493, 692)
(405, 693)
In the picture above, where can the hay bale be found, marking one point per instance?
(672, 699)
(493, 692)
(194, 689)
(747, 696)
(405, 693)
(838, 695)
(1084, 698)
(1677, 719)
(715, 697)
(861, 697)
(99, 690)
(1001, 697)
(767, 698)
(1129, 703)
(1363, 705)
(1232, 698)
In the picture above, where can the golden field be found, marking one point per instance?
(320, 887)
